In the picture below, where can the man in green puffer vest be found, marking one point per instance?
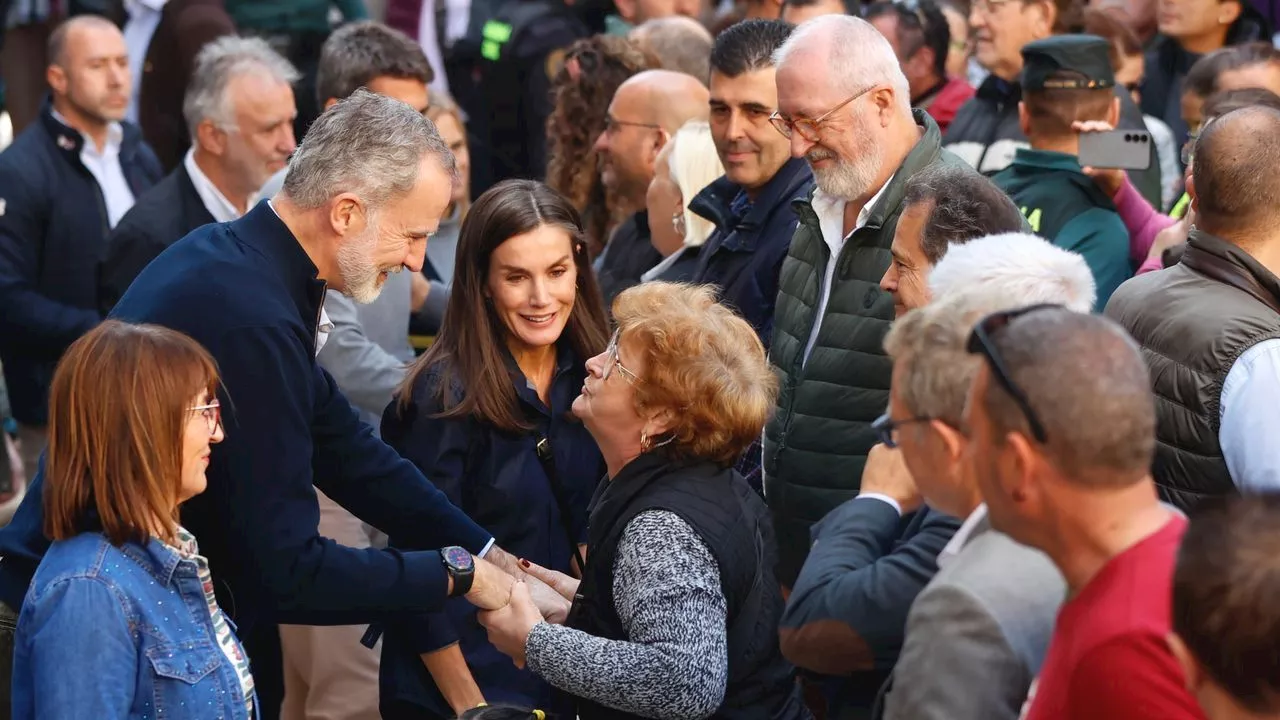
(844, 103)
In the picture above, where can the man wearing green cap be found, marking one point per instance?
(1066, 78)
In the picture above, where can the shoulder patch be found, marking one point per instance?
(555, 60)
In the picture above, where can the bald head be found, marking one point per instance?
(76, 33)
(1086, 381)
(666, 98)
(681, 43)
(846, 52)
(1236, 162)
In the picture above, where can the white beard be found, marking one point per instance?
(361, 278)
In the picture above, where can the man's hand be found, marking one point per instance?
(550, 603)
(886, 474)
(491, 588)
(1109, 180)
(509, 627)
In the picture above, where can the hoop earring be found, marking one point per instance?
(646, 442)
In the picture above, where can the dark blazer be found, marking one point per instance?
(248, 293)
(186, 26)
(53, 224)
(163, 215)
(743, 258)
(847, 614)
(497, 479)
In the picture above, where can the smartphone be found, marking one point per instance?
(1116, 149)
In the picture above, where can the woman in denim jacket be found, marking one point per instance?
(120, 620)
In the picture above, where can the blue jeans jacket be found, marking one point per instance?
(120, 632)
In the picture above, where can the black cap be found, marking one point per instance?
(1088, 55)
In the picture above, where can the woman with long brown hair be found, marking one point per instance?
(120, 620)
(485, 414)
(591, 73)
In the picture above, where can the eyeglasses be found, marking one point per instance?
(611, 361)
(886, 426)
(212, 414)
(809, 129)
(981, 343)
(611, 125)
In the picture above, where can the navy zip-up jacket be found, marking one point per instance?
(744, 255)
(249, 294)
(53, 230)
(497, 478)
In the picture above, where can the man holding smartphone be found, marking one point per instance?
(1068, 78)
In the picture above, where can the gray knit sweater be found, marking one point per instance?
(666, 589)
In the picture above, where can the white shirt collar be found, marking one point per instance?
(132, 6)
(825, 205)
(115, 137)
(214, 201)
(962, 535)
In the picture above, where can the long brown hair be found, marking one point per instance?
(118, 409)
(471, 344)
(584, 85)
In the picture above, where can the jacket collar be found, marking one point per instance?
(1047, 160)
(565, 362)
(69, 141)
(158, 559)
(263, 231)
(1225, 262)
(926, 151)
(714, 203)
(998, 90)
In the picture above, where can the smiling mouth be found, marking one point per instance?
(539, 319)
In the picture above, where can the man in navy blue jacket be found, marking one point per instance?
(751, 204)
(64, 183)
(364, 191)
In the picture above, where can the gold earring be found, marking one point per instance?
(646, 443)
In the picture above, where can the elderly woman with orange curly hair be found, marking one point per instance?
(676, 615)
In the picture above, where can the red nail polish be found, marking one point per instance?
(524, 563)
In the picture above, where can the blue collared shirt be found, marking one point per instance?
(1249, 423)
(120, 632)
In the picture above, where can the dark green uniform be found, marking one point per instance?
(1060, 202)
(1063, 204)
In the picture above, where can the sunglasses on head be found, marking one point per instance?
(981, 342)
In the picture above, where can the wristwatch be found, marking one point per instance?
(461, 567)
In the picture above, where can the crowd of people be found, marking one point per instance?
(542, 360)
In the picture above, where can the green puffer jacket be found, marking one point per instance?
(816, 444)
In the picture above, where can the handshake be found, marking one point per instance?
(514, 596)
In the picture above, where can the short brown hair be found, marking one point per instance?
(704, 363)
(1112, 24)
(118, 407)
(1236, 161)
(962, 206)
(1054, 109)
(1224, 590)
(1086, 381)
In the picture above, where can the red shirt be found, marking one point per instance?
(1108, 659)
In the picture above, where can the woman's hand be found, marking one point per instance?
(510, 626)
(1109, 180)
(565, 586)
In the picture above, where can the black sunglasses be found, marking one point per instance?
(981, 343)
(886, 426)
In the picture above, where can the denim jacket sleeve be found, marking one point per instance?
(73, 619)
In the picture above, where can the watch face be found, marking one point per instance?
(457, 558)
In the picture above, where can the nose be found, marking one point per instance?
(287, 142)
(416, 255)
(889, 283)
(734, 130)
(977, 18)
(540, 294)
(800, 146)
(601, 144)
(218, 435)
(595, 364)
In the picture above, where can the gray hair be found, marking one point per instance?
(1020, 268)
(962, 205)
(936, 370)
(367, 144)
(358, 53)
(680, 43)
(857, 55)
(1087, 382)
(216, 65)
